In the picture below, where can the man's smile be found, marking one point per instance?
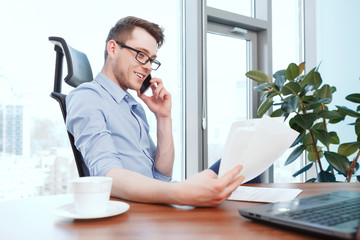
(139, 75)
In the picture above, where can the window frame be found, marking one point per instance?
(196, 18)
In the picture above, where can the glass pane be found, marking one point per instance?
(287, 40)
(226, 89)
(35, 155)
(338, 57)
(243, 7)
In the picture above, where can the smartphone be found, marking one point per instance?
(146, 84)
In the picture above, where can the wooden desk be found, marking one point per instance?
(34, 218)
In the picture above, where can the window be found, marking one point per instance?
(213, 48)
(331, 41)
(244, 7)
(35, 155)
(228, 90)
(303, 30)
(339, 56)
(287, 47)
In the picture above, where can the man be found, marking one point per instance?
(112, 133)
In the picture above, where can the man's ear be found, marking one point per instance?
(111, 48)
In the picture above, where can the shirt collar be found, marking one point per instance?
(116, 92)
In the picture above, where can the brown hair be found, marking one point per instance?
(123, 28)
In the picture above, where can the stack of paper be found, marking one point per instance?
(258, 194)
(256, 144)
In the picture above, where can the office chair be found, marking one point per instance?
(79, 71)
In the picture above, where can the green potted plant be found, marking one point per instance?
(303, 100)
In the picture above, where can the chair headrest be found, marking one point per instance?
(78, 65)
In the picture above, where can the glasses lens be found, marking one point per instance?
(142, 57)
(155, 65)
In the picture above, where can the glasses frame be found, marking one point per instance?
(152, 61)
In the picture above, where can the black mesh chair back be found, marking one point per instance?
(78, 71)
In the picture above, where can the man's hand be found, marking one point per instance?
(160, 102)
(205, 189)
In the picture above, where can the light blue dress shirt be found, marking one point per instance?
(110, 129)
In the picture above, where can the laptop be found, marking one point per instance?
(334, 215)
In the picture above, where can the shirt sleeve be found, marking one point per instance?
(86, 122)
(160, 176)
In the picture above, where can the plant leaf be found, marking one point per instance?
(295, 126)
(325, 92)
(334, 138)
(355, 97)
(357, 127)
(323, 100)
(347, 149)
(312, 156)
(304, 169)
(279, 73)
(258, 76)
(338, 162)
(307, 88)
(277, 113)
(336, 120)
(308, 99)
(301, 67)
(290, 88)
(318, 126)
(348, 111)
(268, 94)
(312, 78)
(324, 176)
(317, 79)
(290, 105)
(299, 139)
(292, 72)
(329, 114)
(304, 120)
(295, 154)
(262, 87)
(264, 107)
(322, 135)
(311, 180)
(306, 81)
(307, 140)
(279, 79)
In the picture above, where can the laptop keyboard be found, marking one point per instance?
(329, 215)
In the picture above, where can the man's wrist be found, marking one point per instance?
(175, 193)
(164, 118)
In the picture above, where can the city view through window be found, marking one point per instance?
(35, 154)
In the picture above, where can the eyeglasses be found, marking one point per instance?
(142, 57)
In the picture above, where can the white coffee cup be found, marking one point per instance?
(91, 194)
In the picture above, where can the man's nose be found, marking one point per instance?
(148, 65)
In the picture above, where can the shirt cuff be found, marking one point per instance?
(101, 170)
(160, 176)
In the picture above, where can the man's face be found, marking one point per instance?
(130, 73)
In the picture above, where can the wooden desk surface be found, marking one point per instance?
(34, 218)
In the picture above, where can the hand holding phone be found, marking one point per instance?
(145, 85)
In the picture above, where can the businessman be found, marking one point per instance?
(112, 133)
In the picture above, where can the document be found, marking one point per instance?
(259, 194)
(256, 144)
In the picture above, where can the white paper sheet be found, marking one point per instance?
(256, 144)
(258, 194)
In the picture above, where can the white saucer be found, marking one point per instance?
(114, 208)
